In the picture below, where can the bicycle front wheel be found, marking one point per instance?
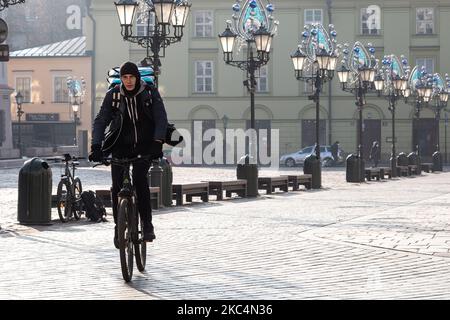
(78, 206)
(64, 201)
(140, 247)
(124, 214)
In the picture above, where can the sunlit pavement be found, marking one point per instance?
(375, 240)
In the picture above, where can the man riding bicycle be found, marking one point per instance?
(137, 118)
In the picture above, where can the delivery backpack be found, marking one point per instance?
(173, 137)
(146, 73)
(93, 206)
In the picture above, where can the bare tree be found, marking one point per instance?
(40, 22)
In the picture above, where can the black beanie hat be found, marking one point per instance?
(130, 68)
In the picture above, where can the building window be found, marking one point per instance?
(371, 20)
(428, 63)
(23, 85)
(313, 16)
(204, 76)
(262, 83)
(203, 24)
(145, 26)
(60, 92)
(424, 21)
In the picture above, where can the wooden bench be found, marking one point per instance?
(385, 171)
(295, 181)
(371, 173)
(216, 188)
(427, 167)
(270, 183)
(105, 196)
(200, 189)
(403, 171)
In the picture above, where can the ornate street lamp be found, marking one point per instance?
(315, 62)
(438, 102)
(20, 112)
(253, 28)
(168, 14)
(393, 74)
(417, 94)
(357, 75)
(6, 3)
(77, 92)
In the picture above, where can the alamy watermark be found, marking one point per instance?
(215, 147)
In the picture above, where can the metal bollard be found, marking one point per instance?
(156, 177)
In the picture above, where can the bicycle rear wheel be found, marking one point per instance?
(140, 247)
(78, 205)
(124, 215)
(64, 201)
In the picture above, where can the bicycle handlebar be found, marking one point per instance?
(121, 162)
(65, 158)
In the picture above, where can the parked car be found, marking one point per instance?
(168, 155)
(298, 158)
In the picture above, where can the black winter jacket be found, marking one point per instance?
(134, 124)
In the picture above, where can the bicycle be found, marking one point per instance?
(129, 224)
(68, 195)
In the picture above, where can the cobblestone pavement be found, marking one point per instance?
(374, 240)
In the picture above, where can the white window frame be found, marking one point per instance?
(203, 76)
(314, 11)
(425, 61)
(141, 25)
(418, 22)
(202, 14)
(26, 98)
(55, 100)
(364, 11)
(263, 73)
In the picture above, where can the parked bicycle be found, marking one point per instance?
(68, 195)
(129, 224)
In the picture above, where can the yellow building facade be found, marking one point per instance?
(40, 74)
(197, 85)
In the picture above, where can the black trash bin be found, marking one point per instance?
(312, 166)
(353, 169)
(248, 170)
(166, 185)
(414, 160)
(402, 159)
(155, 177)
(35, 193)
(437, 161)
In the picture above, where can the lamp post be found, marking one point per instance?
(357, 75)
(418, 94)
(253, 28)
(439, 101)
(6, 3)
(77, 92)
(315, 62)
(167, 13)
(391, 83)
(75, 108)
(445, 139)
(225, 120)
(19, 102)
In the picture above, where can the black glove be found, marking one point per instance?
(96, 154)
